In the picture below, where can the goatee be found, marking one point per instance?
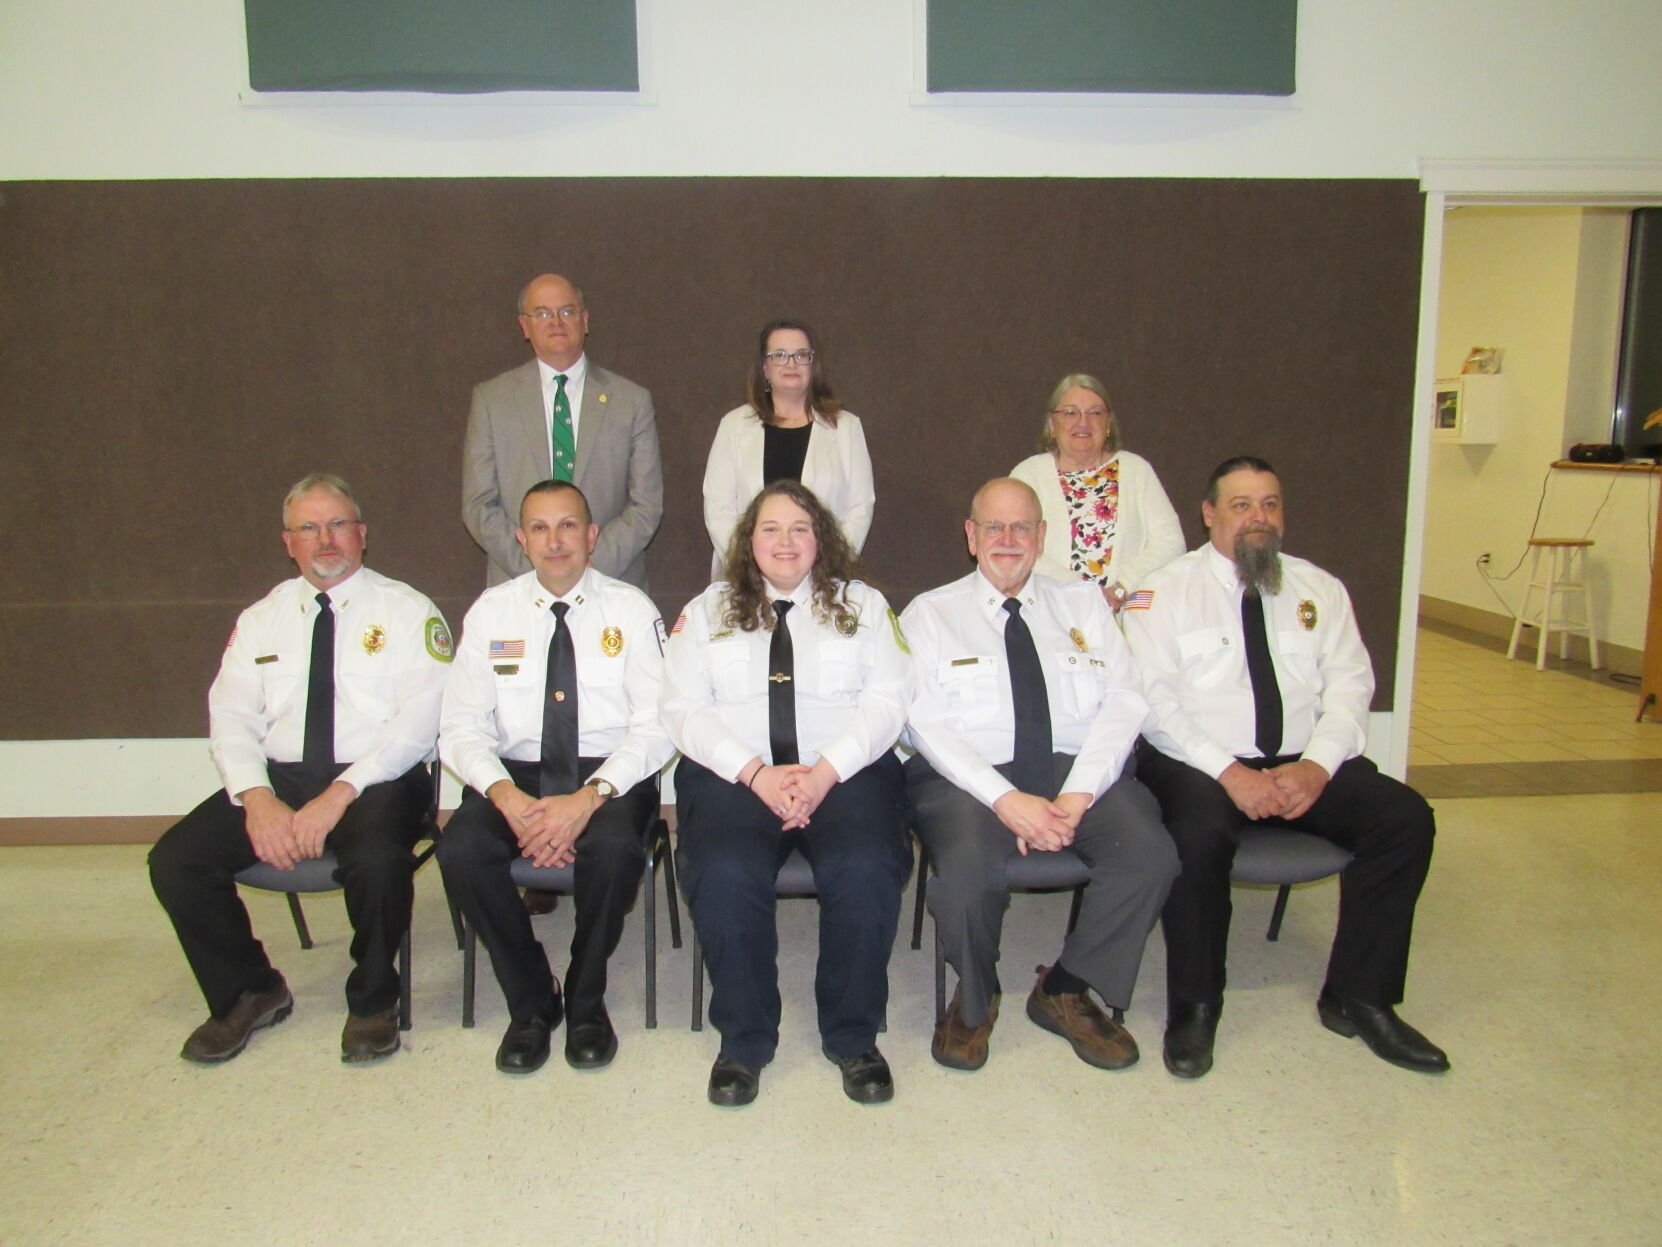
(1258, 560)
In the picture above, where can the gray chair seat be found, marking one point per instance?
(1280, 857)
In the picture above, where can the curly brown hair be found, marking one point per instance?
(748, 607)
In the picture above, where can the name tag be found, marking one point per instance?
(965, 662)
(265, 658)
(511, 668)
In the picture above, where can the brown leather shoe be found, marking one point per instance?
(1096, 1038)
(220, 1039)
(958, 1045)
(369, 1038)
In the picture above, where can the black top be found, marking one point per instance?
(784, 451)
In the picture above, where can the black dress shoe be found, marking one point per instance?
(1191, 1030)
(1381, 1029)
(733, 1085)
(591, 1044)
(539, 902)
(524, 1046)
(866, 1078)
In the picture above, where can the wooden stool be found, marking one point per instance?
(1565, 576)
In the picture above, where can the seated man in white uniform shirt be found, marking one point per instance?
(551, 720)
(1259, 688)
(1025, 716)
(324, 710)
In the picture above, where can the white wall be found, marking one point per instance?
(112, 89)
(1546, 285)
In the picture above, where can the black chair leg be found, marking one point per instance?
(940, 979)
(1279, 912)
(1073, 911)
(469, 949)
(670, 893)
(698, 984)
(300, 927)
(923, 889)
(651, 896)
(455, 920)
(404, 1010)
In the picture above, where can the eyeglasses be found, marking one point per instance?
(311, 532)
(1021, 530)
(569, 312)
(1073, 413)
(780, 358)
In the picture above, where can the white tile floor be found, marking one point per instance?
(1534, 966)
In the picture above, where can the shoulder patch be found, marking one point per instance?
(1141, 600)
(680, 623)
(439, 644)
(232, 639)
(899, 636)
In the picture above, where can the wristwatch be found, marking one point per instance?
(606, 791)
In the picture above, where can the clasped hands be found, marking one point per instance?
(1038, 823)
(284, 837)
(546, 828)
(1285, 791)
(792, 792)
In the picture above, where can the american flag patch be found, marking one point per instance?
(506, 649)
(1141, 600)
(680, 622)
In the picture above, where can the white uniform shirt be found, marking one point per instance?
(851, 688)
(493, 701)
(391, 651)
(963, 718)
(1187, 638)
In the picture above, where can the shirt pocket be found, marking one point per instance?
(281, 684)
(729, 665)
(970, 687)
(1077, 683)
(1300, 655)
(842, 667)
(1207, 656)
(365, 681)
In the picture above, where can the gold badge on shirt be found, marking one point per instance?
(611, 642)
(1078, 640)
(1307, 615)
(847, 625)
(375, 639)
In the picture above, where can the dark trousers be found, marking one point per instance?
(475, 855)
(730, 850)
(1385, 824)
(193, 865)
(1119, 838)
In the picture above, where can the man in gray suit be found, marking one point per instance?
(561, 417)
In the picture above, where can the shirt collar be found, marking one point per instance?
(579, 593)
(340, 595)
(1223, 567)
(991, 601)
(801, 595)
(575, 375)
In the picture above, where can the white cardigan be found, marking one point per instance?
(1147, 535)
(837, 468)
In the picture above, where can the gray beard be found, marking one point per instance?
(1258, 562)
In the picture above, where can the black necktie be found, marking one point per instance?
(317, 755)
(782, 690)
(559, 711)
(1266, 693)
(1032, 766)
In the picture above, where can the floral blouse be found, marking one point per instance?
(1093, 500)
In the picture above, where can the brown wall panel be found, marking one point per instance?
(174, 354)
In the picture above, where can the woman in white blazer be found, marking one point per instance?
(792, 428)
(1107, 519)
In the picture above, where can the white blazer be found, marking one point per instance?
(837, 468)
(1147, 536)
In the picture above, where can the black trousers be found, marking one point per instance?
(192, 869)
(730, 850)
(1385, 824)
(475, 855)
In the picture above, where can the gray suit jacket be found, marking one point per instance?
(618, 468)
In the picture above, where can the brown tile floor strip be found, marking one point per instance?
(1537, 779)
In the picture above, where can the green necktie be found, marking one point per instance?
(565, 445)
